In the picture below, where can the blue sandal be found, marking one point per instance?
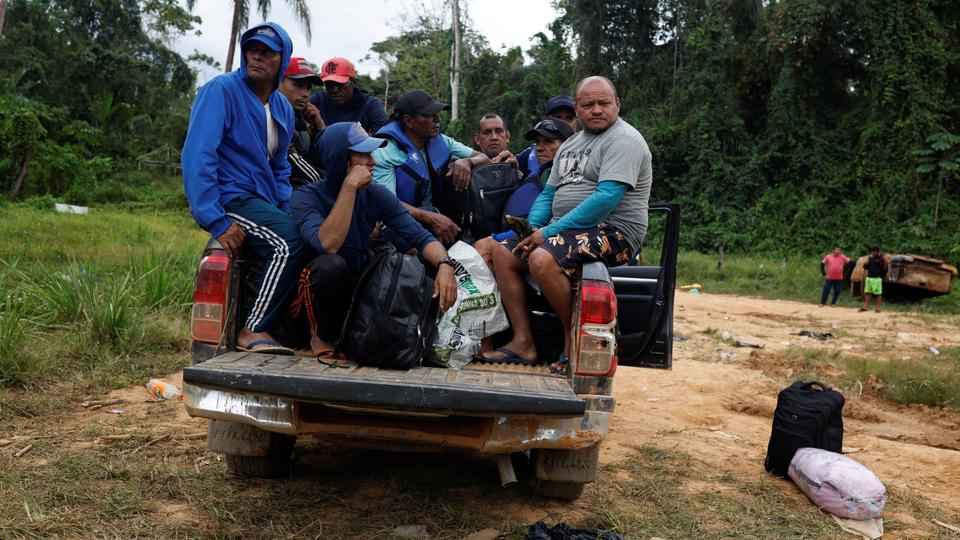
(510, 358)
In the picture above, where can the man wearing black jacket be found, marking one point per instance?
(343, 101)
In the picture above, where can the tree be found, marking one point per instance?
(455, 68)
(241, 18)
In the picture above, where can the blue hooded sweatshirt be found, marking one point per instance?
(225, 153)
(312, 204)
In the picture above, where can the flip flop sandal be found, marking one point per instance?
(332, 359)
(560, 366)
(270, 347)
(510, 358)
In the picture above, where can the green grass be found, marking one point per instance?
(928, 380)
(797, 278)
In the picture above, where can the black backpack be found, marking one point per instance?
(391, 322)
(478, 210)
(804, 418)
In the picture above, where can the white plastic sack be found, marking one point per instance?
(838, 484)
(476, 314)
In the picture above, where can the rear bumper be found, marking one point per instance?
(485, 434)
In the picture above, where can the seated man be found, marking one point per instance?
(343, 101)
(298, 79)
(492, 137)
(236, 177)
(336, 217)
(410, 164)
(549, 134)
(561, 107)
(593, 208)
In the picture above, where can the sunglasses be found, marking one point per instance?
(546, 124)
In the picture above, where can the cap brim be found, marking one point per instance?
(368, 145)
(268, 42)
(558, 107)
(342, 79)
(312, 79)
(433, 108)
(534, 133)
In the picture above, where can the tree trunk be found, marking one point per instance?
(18, 183)
(936, 208)
(455, 72)
(234, 32)
(3, 12)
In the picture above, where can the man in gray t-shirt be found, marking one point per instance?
(593, 208)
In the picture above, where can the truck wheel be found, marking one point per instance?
(558, 490)
(274, 464)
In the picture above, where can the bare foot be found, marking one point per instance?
(513, 350)
(318, 345)
(247, 336)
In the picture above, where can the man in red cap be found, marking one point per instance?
(298, 79)
(343, 101)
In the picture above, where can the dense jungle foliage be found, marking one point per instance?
(783, 126)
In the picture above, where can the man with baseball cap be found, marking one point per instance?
(298, 79)
(336, 218)
(411, 163)
(237, 178)
(343, 101)
(560, 107)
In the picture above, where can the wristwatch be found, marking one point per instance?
(449, 261)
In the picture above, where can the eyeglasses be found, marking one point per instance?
(546, 124)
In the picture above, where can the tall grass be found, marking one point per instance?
(12, 337)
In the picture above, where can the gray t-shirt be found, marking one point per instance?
(619, 154)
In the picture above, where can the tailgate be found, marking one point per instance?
(435, 389)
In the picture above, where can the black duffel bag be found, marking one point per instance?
(478, 210)
(805, 417)
(391, 322)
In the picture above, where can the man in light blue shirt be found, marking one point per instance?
(410, 164)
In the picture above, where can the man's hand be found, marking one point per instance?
(359, 176)
(505, 157)
(232, 239)
(445, 287)
(311, 115)
(530, 243)
(442, 227)
(460, 173)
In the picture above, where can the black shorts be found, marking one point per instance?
(574, 247)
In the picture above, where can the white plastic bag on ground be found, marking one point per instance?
(476, 314)
(838, 484)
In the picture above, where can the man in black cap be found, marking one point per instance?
(410, 164)
(560, 107)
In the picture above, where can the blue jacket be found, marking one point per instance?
(414, 176)
(363, 108)
(313, 203)
(225, 153)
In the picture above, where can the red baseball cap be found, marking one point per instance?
(339, 70)
(300, 69)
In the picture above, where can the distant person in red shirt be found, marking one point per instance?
(832, 269)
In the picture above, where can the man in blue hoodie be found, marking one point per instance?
(336, 218)
(236, 177)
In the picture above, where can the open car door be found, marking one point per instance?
(645, 290)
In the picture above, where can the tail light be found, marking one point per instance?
(598, 318)
(210, 298)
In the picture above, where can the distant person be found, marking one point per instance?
(343, 101)
(410, 164)
(560, 106)
(237, 178)
(298, 79)
(831, 268)
(593, 208)
(492, 137)
(336, 217)
(876, 267)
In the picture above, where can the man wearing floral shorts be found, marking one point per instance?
(593, 208)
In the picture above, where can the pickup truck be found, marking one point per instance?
(258, 404)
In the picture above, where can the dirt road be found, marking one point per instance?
(715, 406)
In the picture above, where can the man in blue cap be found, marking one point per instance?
(336, 218)
(560, 107)
(236, 177)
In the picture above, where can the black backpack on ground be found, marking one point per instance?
(805, 417)
(391, 322)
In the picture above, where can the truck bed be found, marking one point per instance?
(464, 391)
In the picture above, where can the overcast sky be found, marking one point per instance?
(349, 28)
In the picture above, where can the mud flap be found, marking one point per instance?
(579, 466)
(237, 439)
